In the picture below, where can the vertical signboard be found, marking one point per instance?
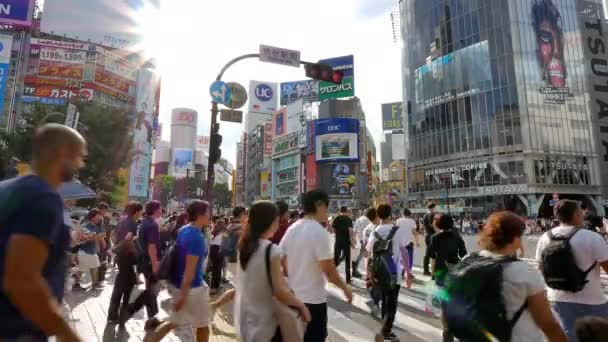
(392, 116)
(311, 172)
(147, 91)
(279, 122)
(265, 184)
(328, 90)
(268, 138)
(594, 32)
(6, 44)
(295, 112)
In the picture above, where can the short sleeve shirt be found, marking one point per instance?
(150, 235)
(190, 241)
(408, 226)
(360, 225)
(342, 226)
(90, 247)
(29, 206)
(400, 240)
(305, 244)
(588, 247)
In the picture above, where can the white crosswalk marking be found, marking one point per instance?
(348, 329)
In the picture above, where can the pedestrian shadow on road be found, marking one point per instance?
(111, 334)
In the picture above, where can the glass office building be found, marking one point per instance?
(501, 104)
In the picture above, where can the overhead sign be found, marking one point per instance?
(263, 97)
(277, 55)
(16, 12)
(307, 90)
(392, 116)
(238, 96)
(337, 140)
(220, 92)
(328, 90)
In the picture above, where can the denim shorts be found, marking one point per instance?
(568, 313)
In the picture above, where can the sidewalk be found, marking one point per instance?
(87, 311)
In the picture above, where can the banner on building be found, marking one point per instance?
(16, 12)
(295, 117)
(143, 130)
(6, 45)
(398, 146)
(265, 184)
(392, 116)
(279, 121)
(328, 90)
(311, 172)
(263, 97)
(307, 90)
(337, 140)
(268, 138)
(343, 179)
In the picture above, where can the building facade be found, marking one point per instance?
(501, 107)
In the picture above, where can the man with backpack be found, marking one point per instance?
(570, 259)
(446, 248)
(429, 230)
(387, 247)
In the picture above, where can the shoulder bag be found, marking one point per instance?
(291, 325)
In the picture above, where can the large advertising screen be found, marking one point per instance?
(337, 140)
(108, 23)
(343, 179)
(16, 12)
(328, 90)
(392, 116)
(461, 73)
(183, 160)
(6, 45)
(146, 109)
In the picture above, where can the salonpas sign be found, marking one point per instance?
(327, 90)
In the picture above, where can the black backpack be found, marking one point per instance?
(383, 267)
(559, 267)
(473, 303)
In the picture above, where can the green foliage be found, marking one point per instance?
(222, 196)
(167, 185)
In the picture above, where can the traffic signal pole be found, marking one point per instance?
(215, 128)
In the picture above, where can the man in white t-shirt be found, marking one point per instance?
(309, 262)
(360, 225)
(407, 227)
(390, 297)
(588, 248)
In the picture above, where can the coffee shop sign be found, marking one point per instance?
(458, 168)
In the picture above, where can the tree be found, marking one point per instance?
(167, 185)
(222, 196)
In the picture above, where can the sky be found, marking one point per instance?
(196, 38)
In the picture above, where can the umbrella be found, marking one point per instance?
(75, 190)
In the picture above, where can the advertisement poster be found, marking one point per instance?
(265, 184)
(147, 104)
(343, 179)
(307, 90)
(280, 123)
(268, 139)
(113, 72)
(295, 117)
(6, 45)
(328, 90)
(392, 116)
(311, 172)
(16, 12)
(263, 97)
(51, 58)
(337, 140)
(182, 162)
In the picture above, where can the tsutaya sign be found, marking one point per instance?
(504, 189)
(459, 168)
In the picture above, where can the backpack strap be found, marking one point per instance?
(392, 233)
(562, 237)
(518, 314)
(267, 258)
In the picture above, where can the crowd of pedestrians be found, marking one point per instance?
(281, 263)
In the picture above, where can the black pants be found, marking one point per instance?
(215, 263)
(147, 298)
(390, 299)
(316, 330)
(427, 259)
(342, 251)
(123, 286)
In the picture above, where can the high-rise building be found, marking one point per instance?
(504, 103)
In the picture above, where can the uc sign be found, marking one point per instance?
(263, 92)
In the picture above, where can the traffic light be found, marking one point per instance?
(215, 153)
(323, 72)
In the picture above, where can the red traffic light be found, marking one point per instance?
(323, 72)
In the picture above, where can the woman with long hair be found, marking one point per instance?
(255, 318)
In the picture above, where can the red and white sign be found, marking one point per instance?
(268, 138)
(84, 94)
(202, 143)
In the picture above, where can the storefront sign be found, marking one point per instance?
(503, 189)
(459, 168)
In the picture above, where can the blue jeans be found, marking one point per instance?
(568, 313)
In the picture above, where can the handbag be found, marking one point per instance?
(291, 325)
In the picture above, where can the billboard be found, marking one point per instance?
(56, 59)
(307, 90)
(146, 107)
(183, 160)
(392, 116)
(343, 179)
(16, 12)
(328, 90)
(6, 45)
(268, 138)
(337, 140)
(295, 117)
(263, 97)
(36, 93)
(279, 121)
(113, 71)
(108, 23)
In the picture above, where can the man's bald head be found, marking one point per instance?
(51, 139)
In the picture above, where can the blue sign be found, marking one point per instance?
(344, 64)
(339, 125)
(337, 140)
(263, 92)
(33, 99)
(220, 92)
(307, 90)
(16, 12)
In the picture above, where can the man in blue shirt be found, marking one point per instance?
(187, 285)
(34, 240)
